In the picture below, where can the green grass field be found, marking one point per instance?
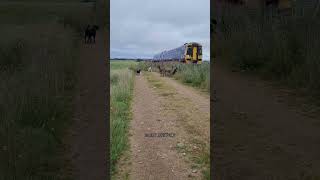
(120, 65)
(38, 56)
(121, 89)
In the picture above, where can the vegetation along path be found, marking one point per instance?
(261, 131)
(162, 105)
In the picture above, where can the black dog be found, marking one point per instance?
(138, 71)
(90, 34)
(87, 34)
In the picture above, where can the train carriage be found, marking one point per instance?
(188, 53)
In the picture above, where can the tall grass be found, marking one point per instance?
(196, 75)
(121, 90)
(144, 65)
(37, 78)
(277, 47)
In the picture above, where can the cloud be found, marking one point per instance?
(142, 28)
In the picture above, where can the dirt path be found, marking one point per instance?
(88, 135)
(257, 134)
(160, 105)
(201, 100)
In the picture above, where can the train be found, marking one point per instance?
(189, 53)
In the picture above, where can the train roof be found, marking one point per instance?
(193, 43)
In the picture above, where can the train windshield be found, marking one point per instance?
(189, 51)
(200, 50)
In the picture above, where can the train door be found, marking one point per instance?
(195, 54)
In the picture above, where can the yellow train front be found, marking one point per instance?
(193, 53)
(190, 53)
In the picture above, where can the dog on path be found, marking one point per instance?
(138, 71)
(90, 34)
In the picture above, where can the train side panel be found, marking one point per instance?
(188, 53)
(176, 54)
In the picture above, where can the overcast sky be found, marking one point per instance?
(143, 28)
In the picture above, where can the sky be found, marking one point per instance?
(143, 28)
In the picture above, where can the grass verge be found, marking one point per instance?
(121, 91)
